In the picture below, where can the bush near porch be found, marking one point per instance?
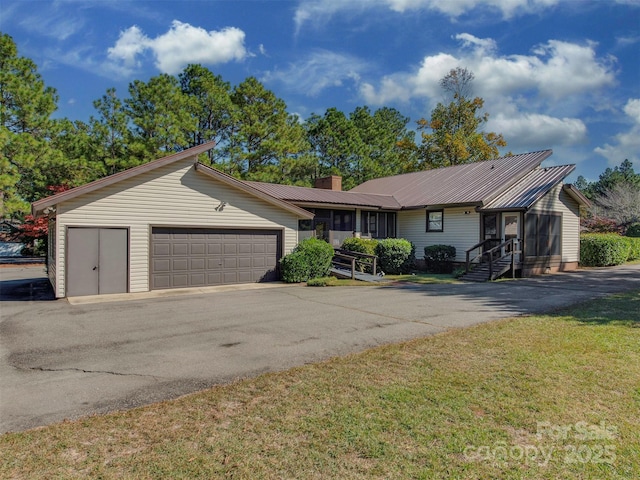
(362, 245)
(439, 258)
(395, 255)
(311, 258)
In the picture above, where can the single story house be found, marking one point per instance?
(175, 222)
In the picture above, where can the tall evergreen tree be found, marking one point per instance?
(162, 120)
(336, 143)
(263, 134)
(26, 105)
(211, 105)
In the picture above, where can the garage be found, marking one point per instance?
(170, 223)
(197, 257)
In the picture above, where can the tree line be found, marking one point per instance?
(615, 198)
(256, 137)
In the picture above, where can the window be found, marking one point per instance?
(305, 225)
(434, 221)
(343, 221)
(379, 224)
(543, 235)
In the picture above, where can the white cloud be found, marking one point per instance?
(529, 131)
(319, 11)
(552, 71)
(320, 70)
(131, 43)
(632, 109)
(627, 144)
(180, 45)
(534, 99)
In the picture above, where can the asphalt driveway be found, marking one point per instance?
(61, 361)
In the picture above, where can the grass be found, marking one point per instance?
(421, 278)
(482, 402)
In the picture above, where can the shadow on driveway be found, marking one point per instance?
(24, 284)
(540, 294)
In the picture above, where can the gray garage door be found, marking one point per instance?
(194, 257)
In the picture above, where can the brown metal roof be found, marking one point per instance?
(40, 205)
(306, 195)
(531, 188)
(474, 183)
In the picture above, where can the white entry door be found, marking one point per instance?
(511, 229)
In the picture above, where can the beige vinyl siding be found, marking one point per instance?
(173, 195)
(558, 201)
(459, 229)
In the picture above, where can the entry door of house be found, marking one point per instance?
(490, 230)
(97, 261)
(510, 228)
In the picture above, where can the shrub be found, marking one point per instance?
(603, 249)
(634, 248)
(600, 225)
(360, 245)
(295, 268)
(633, 230)
(395, 255)
(311, 258)
(439, 258)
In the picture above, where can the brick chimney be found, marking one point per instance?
(332, 182)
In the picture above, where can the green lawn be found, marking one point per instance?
(421, 278)
(553, 396)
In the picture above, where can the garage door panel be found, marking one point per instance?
(229, 263)
(197, 263)
(196, 257)
(179, 280)
(162, 281)
(214, 248)
(214, 263)
(161, 249)
(179, 249)
(230, 277)
(197, 248)
(161, 266)
(214, 278)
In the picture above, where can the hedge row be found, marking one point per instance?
(606, 249)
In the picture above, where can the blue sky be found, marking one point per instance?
(559, 74)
